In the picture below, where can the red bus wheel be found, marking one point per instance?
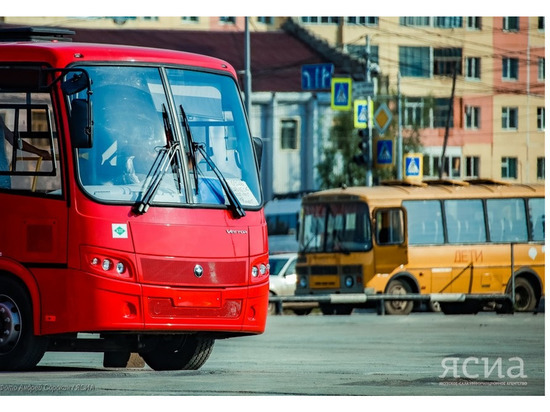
(179, 353)
(20, 349)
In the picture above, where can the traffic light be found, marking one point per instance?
(363, 157)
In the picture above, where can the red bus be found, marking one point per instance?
(130, 203)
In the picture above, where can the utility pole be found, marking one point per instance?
(399, 155)
(369, 120)
(442, 163)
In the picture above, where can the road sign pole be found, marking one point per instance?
(369, 119)
(369, 137)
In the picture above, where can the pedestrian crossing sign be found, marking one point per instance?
(340, 94)
(360, 114)
(413, 166)
(384, 152)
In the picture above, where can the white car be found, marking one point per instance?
(282, 282)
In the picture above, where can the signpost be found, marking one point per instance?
(413, 166)
(340, 98)
(384, 152)
(317, 76)
(360, 114)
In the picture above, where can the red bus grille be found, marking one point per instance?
(179, 272)
(163, 308)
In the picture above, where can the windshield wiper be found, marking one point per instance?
(166, 157)
(235, 205)
(160, 166)
(189, 137)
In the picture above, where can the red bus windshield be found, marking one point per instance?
(139, 111)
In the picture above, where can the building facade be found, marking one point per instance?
(472, 85)
(497, 126)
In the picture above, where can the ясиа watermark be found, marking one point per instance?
(497, 370)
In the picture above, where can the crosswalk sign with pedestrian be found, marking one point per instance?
(413, 166)
(384, 152)
(360, 114)
(340, 94)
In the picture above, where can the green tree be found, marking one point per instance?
(337, 167)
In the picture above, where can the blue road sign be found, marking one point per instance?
(341, 94)
(412, 166)
(384, 152)
(317, 76)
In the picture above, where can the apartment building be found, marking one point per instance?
(497, 124)
(491, 122)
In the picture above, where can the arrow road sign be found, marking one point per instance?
(317, 76)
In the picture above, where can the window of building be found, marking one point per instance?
(541, 68)
(451, 166)
(510, 23)
(365, 21)
(415, 21)
(509, 169)
(540, 23)
(447, 60)
(441, 112)
(509, 118)
(540, 167)
(473, 68)
(414, 61)
(265, 20)
(472, 117)
(510, 68)
(189, 19)
(541, 118)
(413, 112)
(228, 19)
(472, 166)
(473, 23)
(448, 22)
(320, 20)
(289, 134)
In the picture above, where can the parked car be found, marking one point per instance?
(282, 282)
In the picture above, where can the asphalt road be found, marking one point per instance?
(426, 354)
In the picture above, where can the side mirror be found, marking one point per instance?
(75, 83)
(81, 124)
(258, 148)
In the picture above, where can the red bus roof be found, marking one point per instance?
(61, 54)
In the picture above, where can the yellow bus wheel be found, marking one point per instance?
(526, 299)
(398, 307)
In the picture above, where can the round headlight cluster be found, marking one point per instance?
(260, 270)
(302, 281)
(348, 281)
(109, 266)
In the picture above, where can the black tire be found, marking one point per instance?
(398, 307)
(187, 352)
(526, 299)
(302, 312)
(469, 307)
(116, 359)
(336, 309)
(20, 349)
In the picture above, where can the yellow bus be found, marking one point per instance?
(443, 238)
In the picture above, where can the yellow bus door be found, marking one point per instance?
(390, 248)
